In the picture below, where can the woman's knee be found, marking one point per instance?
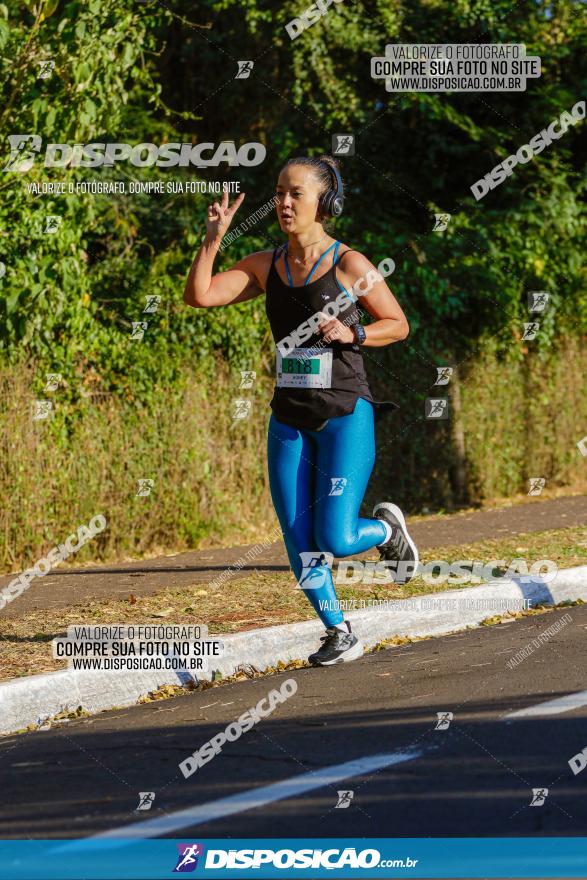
(333, 541)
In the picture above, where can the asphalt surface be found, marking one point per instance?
(64, 586)
(473, 779)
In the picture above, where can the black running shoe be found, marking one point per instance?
(337, 647)
(399, 548)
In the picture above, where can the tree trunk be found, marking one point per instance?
(458, 471)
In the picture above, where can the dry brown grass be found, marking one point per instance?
(209, 471)
(211, 486)
(254, 601)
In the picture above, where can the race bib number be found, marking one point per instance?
(304, 368)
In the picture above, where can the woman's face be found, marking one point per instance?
(298, 193)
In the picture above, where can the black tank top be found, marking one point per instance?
(287, 309)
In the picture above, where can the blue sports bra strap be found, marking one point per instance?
(348, 250)
(319, 260)
(287, 272)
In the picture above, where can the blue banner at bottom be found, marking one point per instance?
(415, 857)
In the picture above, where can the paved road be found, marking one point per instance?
(368, 727)
(64, 587)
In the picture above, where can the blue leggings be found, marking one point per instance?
(318, 480)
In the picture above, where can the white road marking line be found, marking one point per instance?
(257, 797)
(551, 707)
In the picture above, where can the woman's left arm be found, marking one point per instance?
(375, 297)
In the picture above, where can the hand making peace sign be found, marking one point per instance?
(220, 215)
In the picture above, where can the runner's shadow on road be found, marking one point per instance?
(185, 569)
(535, 590)
(474, 779)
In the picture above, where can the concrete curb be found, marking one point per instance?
(31, 700)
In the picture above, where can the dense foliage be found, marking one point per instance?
(162, 71)
(149, 71)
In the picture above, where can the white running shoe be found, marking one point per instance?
(399, 547)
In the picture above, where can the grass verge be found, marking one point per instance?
(258, 600)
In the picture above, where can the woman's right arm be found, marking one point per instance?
(237, 284)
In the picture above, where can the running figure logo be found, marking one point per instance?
(537, 484)
(441, 222)
(538, 300)
(153, 303)
(444, 719)
(46, 69)
(314, 569)
(23, 150)
(188, 857)
(444, 374)
(138, 329)
(242, 408)
(343, 144)
(530, 330)
(146, 799)
(436, 408)
(539, 795)
(42, 409)
(145, 487)
(244, 69)
(53, 381)
(344, 799)
(338, 484)
(52, 222)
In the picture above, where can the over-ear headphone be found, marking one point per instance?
(332, 201)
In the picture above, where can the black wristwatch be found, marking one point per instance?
(359, 333)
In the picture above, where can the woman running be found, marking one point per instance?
(321, 438)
